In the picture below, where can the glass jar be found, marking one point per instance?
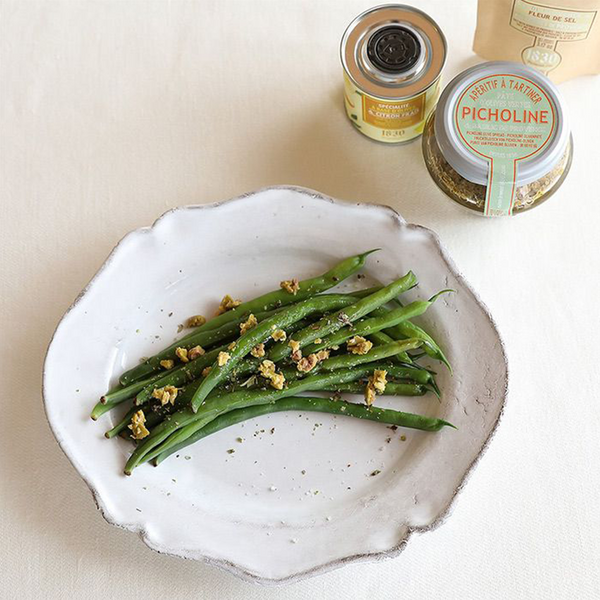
(501, 115)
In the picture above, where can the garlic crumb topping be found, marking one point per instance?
(358, 345)
(223, 358)
(182, 355)
(277, 381)
(167, 364)
(195, 321)
(369, 395)
(258, 351)
(227, 303)
(231, 346)
(308, 363)
(248, 324)
(267, 370)
(379, 380)
(138, 429)
(195, 352)
(206, 371)
(279, 335)
(296, 352)
(376, 384)
(165, 394)
(322, 355)
(291, 286)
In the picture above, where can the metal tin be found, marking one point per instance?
(393, 56)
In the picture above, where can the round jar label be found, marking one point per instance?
(505, 119)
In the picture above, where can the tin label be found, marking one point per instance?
(505, 119)
(549, 25)
(389, 121)
(393, 115)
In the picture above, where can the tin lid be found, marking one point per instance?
(393, 51)
(523, 109)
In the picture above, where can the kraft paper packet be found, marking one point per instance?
(560, 38)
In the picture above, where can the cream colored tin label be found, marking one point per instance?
(549, 26)
(391, 121)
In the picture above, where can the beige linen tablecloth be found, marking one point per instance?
(114, 111)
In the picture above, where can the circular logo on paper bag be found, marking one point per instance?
(504, 118)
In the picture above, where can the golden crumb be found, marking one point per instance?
(267, 370)
(296, 352)
(379, 380)
(223, 358)
(206, 371)
(322, 355)
(165, 394)
(167, 364)
(376, 384)
(291, 286)
(358, 345)
(195, 352)
(138, 429)
(279, 335)
(277, 381)
(248, 324)
(231, 346)
(308, 363)
(182, 355)
(318, 341)
(369, 395)
(227, 303)
(195, 321)
(258, 351)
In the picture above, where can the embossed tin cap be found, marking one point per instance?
(470, 163)
(393, 51)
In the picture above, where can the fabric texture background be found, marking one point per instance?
(111, 112)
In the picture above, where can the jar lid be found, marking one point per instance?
(500, 107)
(393, 51)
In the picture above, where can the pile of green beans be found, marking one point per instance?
(334, 343)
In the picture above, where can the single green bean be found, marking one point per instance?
(218, 404)
(307, 404)
(392, 388)
(347, 361)
(122, 424)
(382, 320)
(331, 323)
(117, 396)
(365, 292)
(272, 300)
(430, 347)
(418, 374)
(379, 338)
(153, 418)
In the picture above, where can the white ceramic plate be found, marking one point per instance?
(327, 509)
